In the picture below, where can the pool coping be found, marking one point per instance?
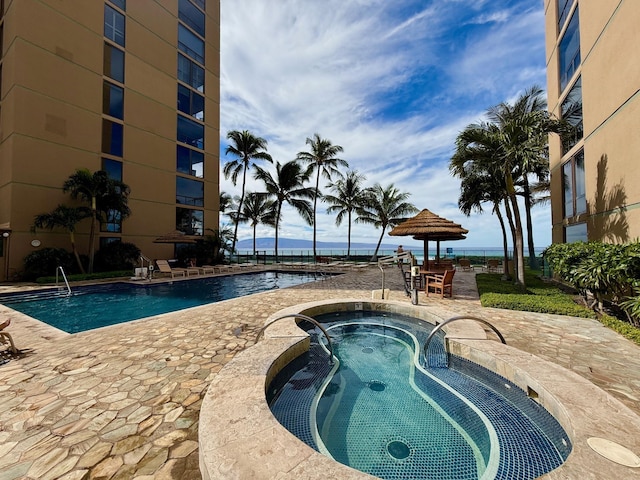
(240, 438)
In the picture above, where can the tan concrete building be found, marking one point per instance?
(130, 87)
(593, 74)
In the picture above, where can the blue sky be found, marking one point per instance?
(392, 82)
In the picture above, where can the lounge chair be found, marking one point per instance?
(465, 264)
(493, 265)
(440, 283)
(164, 267)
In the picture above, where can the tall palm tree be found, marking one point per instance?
(66, 218)
(477, 162)
(323, 160)
(349, 198)
(102, 194)
(247, 148)
(524, 128)
(287, 187)
(256, 210)
(385, 207)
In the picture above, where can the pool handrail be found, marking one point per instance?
(303, 317)
(459, 317)
(59, 268)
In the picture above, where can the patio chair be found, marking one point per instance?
(164, 267)
(465, 264)
(493, 265)
(440, 283)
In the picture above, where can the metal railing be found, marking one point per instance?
(66, 282)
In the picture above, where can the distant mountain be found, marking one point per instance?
(268, 243)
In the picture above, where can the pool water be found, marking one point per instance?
(380, 411)
(99, 306)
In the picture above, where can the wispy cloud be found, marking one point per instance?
(392, 82)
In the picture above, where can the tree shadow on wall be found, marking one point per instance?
(608, 219)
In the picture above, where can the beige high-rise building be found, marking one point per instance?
(126, 86)
(593, 75)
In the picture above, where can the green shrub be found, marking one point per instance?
(116, 256)
(623, 328)
(45, 261)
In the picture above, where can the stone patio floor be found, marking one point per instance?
(123, 402)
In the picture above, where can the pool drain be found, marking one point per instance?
(398, 450)
(377, 385)
(367, 350)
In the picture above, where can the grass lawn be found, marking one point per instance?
(543, 297)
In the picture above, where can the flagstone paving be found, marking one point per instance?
(123, 402)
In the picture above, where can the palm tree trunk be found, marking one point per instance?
(533, 260)
(75, 251)
(315, 200)
(237, 222)
(518, 240)
(375, 254)
(512, 229)
(254, 239)
(349, 237)
(277, 225)
(505, 243)
(92, 233)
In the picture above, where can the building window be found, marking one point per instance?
(576, 233)
(104, 241)
(113, 168)
(190, 132)
(189, 221)
(191, 44)
(113, 222)
(114, 25)
(121, 4)
(190, 102)
(112, 138)
(190, 73)
(564, 7)
(113, 63)
(113, 100)
(189, 192)
(571, 111)
(569, 50)
(574, 188)
(200, 3)
(191, 16)
(189, 161)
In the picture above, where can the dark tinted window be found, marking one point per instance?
(190, 73)
(189, 161)
(112, 138)
(191, 16)
(191, 44)
(121, 4)
(113, 100)
(190, 102)
(571, 111)
(113, 62)
(113, 168)
(190, 132)
(189, 192)
(191, 222)
(569, 50)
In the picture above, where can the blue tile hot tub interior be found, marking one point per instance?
(380, 413)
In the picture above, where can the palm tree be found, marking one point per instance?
(385, 207)
(322, 159)
(66, 218)
(103, 195)
(349, 198)
(287, 187)
(524, 130)
(256, 210)
(247, 148)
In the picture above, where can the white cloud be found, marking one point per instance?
(392, 82)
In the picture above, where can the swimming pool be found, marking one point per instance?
(380, 411)
(91, 307)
